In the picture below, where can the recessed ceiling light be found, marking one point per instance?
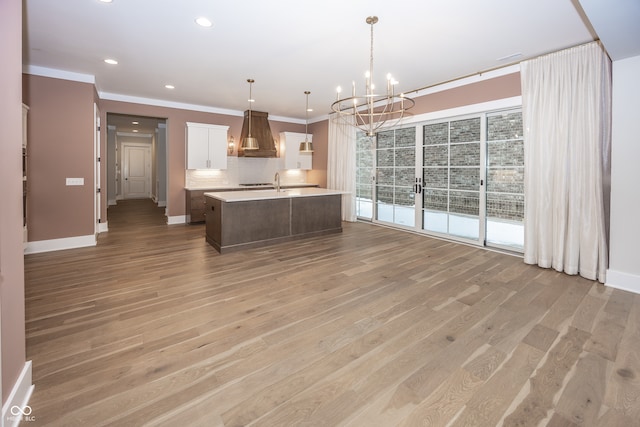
(135, 130)
(111, 61)
(309, 109)
(203, 22)
(135, 123)
(105, 1)
(170, 86)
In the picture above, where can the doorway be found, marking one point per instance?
(137, 160)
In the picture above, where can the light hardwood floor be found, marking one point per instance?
(371, 327)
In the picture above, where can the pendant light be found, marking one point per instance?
(306, 146)
(250, 143)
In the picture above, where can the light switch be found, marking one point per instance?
(75, 181)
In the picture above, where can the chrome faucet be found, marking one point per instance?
(277, 180)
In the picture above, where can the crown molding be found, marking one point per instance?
(58, 74)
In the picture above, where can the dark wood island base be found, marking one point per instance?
(243, 224)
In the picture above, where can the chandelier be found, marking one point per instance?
(371, 111)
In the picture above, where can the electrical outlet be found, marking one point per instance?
(75, 181)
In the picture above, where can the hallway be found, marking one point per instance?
(137, 213)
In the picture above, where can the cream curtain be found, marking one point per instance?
(566, 103)
(341, 164)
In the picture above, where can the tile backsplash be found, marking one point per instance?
(244, 170)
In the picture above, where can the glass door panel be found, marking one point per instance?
(435, 193)
(365, 156)
(505, 180)
(395, 177)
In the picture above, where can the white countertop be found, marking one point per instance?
(222, 187)
(241, 196)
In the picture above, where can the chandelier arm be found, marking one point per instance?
(338, 106)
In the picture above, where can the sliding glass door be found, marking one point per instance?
(459, 178)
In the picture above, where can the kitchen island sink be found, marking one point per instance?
(249, 219)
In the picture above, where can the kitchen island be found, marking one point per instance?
(195, 196)
(249, 219)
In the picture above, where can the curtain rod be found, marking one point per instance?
(488, 70)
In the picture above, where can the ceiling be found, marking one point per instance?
(287, 46)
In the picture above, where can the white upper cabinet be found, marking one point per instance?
(290, 151)
(206, 146)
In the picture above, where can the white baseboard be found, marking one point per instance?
(162, 203)
(103, 227)
(623, 281)
(60, 244)
(178, 219)
(112, 202)
(16, 407)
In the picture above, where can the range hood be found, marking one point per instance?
(260, 130)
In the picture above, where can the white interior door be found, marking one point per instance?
(137, 172)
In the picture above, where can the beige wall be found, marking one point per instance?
(61, 144)
(12, 344)
(506, 86)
